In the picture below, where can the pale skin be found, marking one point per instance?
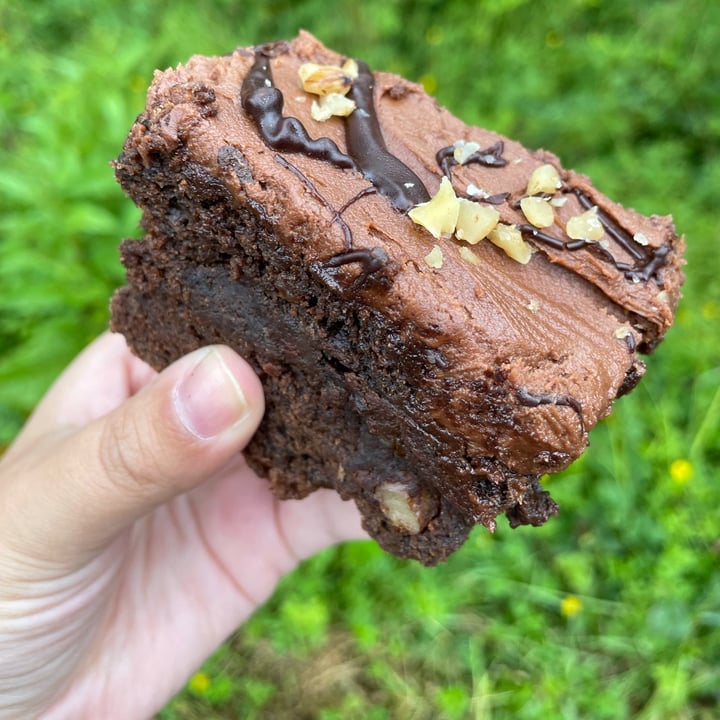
(133, 537)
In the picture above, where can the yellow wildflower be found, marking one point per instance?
(199, 683)
(681, 470)
(570, 606)
(710, 310)
(429, 83)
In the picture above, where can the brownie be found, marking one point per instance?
(439, 316)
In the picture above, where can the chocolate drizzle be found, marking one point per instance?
(365, 143)
(572, 245)
(648, 260)
(496, 199)
(489, 157)
(533, 232)
(374, 263)
(264, 103)
(305, 180)
(367, 150)
(615, 232)
(531, 400)
(371, 260)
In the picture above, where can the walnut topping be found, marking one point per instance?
(475, 221)
(586, 226)
(331, 105)
(439, 214)
(474, 191)
(463, 150)
(445, 214)
(622, 332)
(434, 258)
(409, 510)
(468, 255)
(544, 179)
(326, 79)
(351, 69)
(538, 211)
(640, 238)
(510, 239)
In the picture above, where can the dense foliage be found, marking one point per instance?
(612, 610)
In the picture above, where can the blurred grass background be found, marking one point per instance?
(611, 610)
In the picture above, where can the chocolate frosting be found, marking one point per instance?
(559, 335)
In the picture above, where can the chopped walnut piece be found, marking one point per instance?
(331, 105)
(474, 191)
(622, 332)
(475, 221)
(463, 150)
(325, 79)
(434, 258)
(544, 179)
(439, 214)
(409, 509)
(468, 255)
(510, 239)
(586, 226)
(538, 211)
(351, 69)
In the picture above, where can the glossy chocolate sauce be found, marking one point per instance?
(489, 157)
(648, 260)
(365, 144)
(368, 153)
(264, 103)
(366, 147)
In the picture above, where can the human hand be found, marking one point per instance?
(133, 537)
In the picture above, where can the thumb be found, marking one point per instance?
(175, 434)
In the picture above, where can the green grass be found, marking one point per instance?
(612, 610)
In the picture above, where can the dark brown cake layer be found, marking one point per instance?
(434, 397)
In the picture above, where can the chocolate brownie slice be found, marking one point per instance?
(439, 315)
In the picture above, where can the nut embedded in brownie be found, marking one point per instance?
(439, 316)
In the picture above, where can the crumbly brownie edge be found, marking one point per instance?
(312, 434)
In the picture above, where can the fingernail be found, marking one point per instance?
(209, 400)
